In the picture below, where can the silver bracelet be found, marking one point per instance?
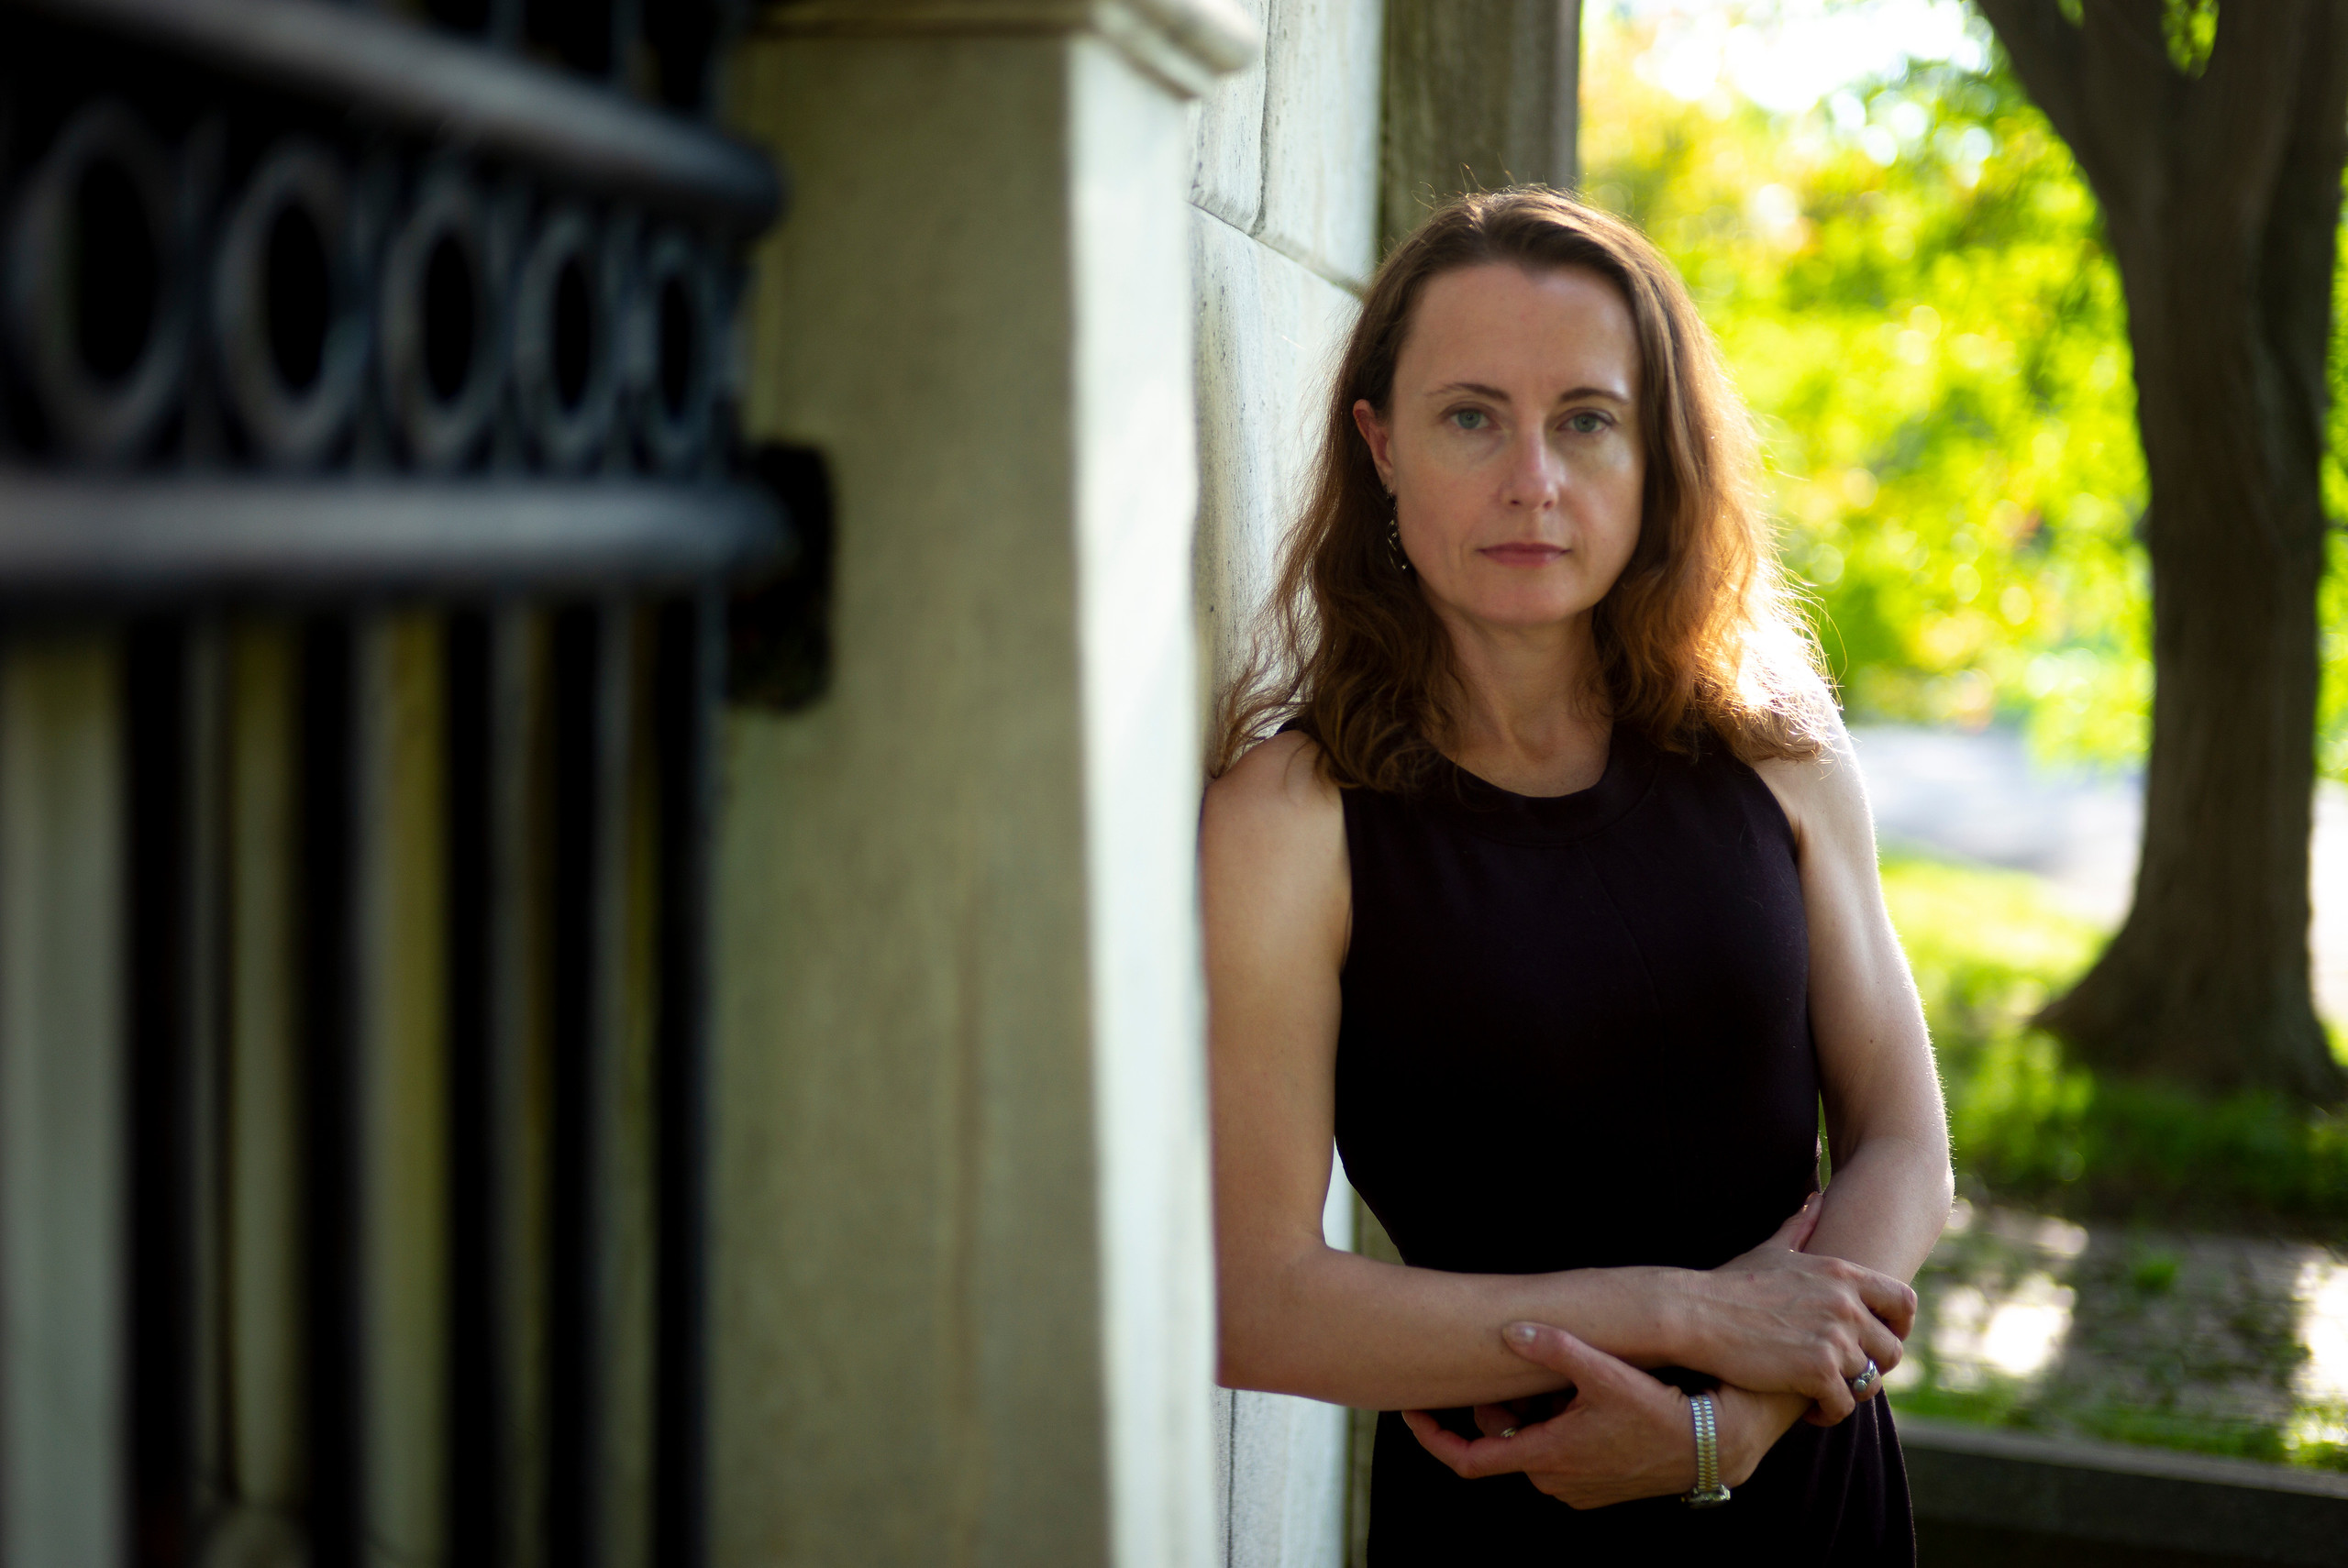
(1709, 1493)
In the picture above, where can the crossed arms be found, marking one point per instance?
(1783, 1327)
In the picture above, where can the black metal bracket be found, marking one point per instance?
(779, 625)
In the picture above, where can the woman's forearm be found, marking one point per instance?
(1750, 1425)
(1876, 1223)
(1783, 1317)
(1886, 1205)
(1352, 1330)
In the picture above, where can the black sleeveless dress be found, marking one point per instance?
(1577, 1035)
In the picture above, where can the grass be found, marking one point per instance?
(1988, 949)
(2009, 1403)
(2032, 1131)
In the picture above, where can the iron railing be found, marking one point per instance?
(367, 378)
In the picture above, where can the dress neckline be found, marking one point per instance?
(1484, 808)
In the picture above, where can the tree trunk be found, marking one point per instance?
(2221, 195)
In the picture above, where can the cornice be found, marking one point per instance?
(1186, 44)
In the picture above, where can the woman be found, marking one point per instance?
(1553, 902)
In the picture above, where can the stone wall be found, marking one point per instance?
(1284, 227)
(961, 1272)
(962, 1281)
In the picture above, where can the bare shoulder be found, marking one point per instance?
(1279, 789)
(1824, 797)
(1273, 845)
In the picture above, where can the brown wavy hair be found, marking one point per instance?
(1697, 640)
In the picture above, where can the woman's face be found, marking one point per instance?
(1511, 445)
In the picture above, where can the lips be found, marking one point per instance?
(1524, 555)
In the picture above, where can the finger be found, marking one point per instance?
(1496, 1420)
(1471, 1460)
(1834, 1401)
(1584, 1365)
(1444, 1444)
(1883, 1347)
(1893, 1303)
(1806, 1221)
(1797, 1226)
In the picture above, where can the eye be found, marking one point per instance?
(1586, 423)
(1471, 419)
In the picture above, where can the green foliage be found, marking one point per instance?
(2190, 29)
(2320, 1454)
(2007, 1402)
(1912, 288)
(2331, 719)
(2118, 1422)
(1988, 948)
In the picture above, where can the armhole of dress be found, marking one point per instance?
(1778, 812)
(1353, 883)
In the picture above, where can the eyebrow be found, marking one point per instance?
(1570, 394)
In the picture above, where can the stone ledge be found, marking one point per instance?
(2114, 1494)
(1184, 43)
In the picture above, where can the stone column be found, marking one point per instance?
(1479, 93)
(962, 1307)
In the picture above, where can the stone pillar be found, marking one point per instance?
(1479, 93)
(1284, 226)
(962, 1310)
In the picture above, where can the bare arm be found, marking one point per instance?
(1886, 1128)
(1886, 1131)
(1300, 1316)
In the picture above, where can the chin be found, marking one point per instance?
(1521, 610)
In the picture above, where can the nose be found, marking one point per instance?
(1536, 470)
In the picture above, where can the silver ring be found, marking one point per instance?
(1866, 1379)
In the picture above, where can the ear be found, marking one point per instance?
(1379, 439)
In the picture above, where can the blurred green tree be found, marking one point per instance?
(1914, 287)
(2214, 138)
(1910, 284)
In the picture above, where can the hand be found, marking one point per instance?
(1748, 1425)
(1778, 1320)
(1624, 1435)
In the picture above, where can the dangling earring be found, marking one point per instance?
(1394, 544)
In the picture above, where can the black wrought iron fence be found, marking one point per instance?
(367, 486)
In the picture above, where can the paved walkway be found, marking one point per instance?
(1979, 796)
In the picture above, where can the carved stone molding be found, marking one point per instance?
(1186, 44)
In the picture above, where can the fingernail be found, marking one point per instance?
(1522, 1334)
